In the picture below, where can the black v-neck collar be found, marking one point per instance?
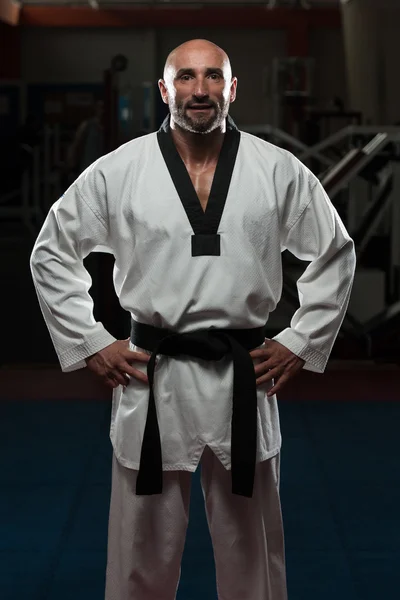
(205, 240)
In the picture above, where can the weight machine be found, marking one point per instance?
(373, 155)
(39, 186)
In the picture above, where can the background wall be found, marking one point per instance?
(327, 49)
(391, 53)
(370, 35)
(80, 56)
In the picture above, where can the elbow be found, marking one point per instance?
(347, 252)
(33, 261)
(348, 269)
(36, 262)
(352, 255)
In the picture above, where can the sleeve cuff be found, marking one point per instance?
(74, 359)
(298, 344)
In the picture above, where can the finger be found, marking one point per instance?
(278, 386)
(130, 356)
(260, 352)
(127, 368)
(110, 383)
(125, 379)
(115, 375)
(264, 367)
(272, 374)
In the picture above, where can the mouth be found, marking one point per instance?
(200, 107)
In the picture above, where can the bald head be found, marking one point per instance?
(197, 50)
(198, 86)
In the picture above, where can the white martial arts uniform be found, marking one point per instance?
(127, 204)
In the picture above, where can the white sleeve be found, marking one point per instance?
(74, 227)
(317, 234)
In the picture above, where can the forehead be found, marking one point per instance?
(198, 58)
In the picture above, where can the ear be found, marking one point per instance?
(163, 90)
(232, 96)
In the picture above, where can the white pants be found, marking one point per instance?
(146, 535)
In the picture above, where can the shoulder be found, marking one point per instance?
(111, 169)
(127, 155)
(281, 162)
(265, 149)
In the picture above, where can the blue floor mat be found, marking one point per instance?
(340, 490)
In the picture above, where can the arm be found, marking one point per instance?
(75, 225)
(316, 233)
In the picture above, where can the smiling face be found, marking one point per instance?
(198, 86)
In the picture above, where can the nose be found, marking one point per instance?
(201, 88)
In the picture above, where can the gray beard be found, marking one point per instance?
(201, 124)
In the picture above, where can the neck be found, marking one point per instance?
(196, 147)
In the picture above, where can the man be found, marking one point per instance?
(197, 216)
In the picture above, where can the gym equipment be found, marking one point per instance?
(292, 83)
(39, 187)
(373, 153)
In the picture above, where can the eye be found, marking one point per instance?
(185, 77)
(215, 76)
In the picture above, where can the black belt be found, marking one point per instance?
(207, 344)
